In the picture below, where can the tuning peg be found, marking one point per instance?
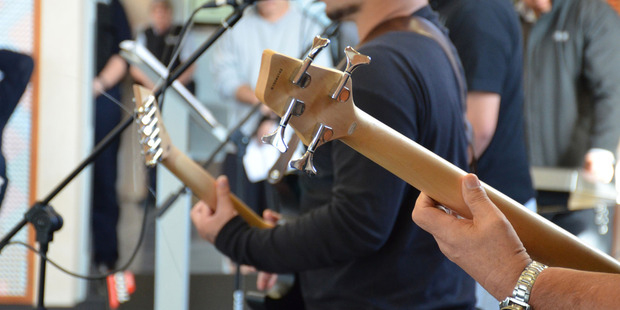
(322, 134)
(354, 60)
(301, 77)
(154, 134)
(153, 156)
(276, 138)
(146, 105)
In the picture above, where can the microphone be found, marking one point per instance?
(219, 3)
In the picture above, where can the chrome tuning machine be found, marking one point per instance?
(301, 78)
(276, 138)
(354, 60)
(305, 163)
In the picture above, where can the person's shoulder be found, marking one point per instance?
(484, 12)
(590, 14)
(592, 8)
(398, 42)
(396, 50)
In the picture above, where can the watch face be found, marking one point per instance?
(513, 304)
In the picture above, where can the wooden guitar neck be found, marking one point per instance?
(441, 180)
(158, 147)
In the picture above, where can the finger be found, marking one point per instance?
(475, 196)
(201, 209)
(225, 207)
(222, 187)
(426, 215)
(262, 280)
(198, 208)
(272, 281)
(271, 216)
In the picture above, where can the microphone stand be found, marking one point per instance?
(43, 217)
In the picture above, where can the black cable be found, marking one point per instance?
(100, 276)
(175, 54)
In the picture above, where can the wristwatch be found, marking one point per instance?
(521, 294)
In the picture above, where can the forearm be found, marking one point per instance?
(353, 223)
(187, 76)
(245, 94)
(560, 288)
(112, 73)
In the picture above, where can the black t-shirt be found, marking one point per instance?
(162, 45)
(112, 29)
(355, 246)
(487, 36)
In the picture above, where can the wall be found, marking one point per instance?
(65, 136)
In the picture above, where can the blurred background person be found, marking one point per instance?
(161, 38)
(271, 24)
(572, 98)
(15, 72)
(111, 29)
(487, 36)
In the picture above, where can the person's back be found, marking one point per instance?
(487, 36)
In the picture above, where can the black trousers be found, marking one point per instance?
(105, 210)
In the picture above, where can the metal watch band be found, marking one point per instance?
(521, 294)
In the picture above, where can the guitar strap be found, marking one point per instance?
(426, 28)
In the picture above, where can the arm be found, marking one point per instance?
(115, 67)
(187, 75)
(482, 112)
(488, 248)
(110, 75)
(245, 94)
(485, 46)
(560, 288)
(140, 77)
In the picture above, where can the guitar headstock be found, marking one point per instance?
(153, 135)
(317, 101)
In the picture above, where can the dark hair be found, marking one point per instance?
(165, 3)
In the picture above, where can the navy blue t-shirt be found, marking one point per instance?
(487, 36)
(355, 246)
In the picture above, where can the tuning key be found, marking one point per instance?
(354, 60)
(276, 138)
(301, 77)
(322, 134)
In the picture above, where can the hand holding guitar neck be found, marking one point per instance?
(157, 147)
(322, 109)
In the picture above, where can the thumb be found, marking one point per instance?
(474, 195)
(222, 188)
